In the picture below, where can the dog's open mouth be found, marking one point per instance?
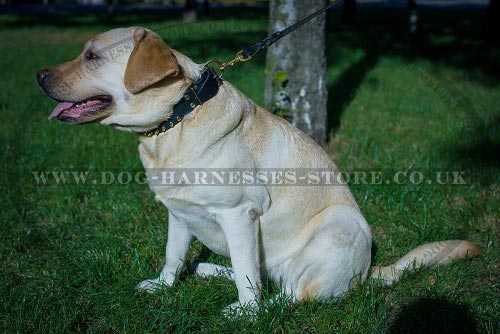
(74, 111)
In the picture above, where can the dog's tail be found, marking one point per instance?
(428, 255)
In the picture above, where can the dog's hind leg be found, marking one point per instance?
(205, 269)
(336, 257)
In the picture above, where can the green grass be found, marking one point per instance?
(71, 256)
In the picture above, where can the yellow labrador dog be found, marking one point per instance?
(312, 239)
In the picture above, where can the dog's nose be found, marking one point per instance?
(41, 75)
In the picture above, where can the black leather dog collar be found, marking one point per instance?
(198, 93)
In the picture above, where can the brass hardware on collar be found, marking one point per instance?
(197, 97)
(219, 66)
(205, 88)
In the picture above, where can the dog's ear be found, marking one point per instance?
(150, 61)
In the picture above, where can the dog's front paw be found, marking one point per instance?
(237, 309)
(151, 285)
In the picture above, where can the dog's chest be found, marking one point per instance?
(200, 207)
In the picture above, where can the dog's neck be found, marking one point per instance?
(199, 92)
(207, 125)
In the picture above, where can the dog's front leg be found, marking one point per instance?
(241, 230)
(178, 241)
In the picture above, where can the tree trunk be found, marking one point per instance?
(296, 68)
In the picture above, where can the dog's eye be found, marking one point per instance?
(89, 55)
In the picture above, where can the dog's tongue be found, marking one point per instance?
(59, 109)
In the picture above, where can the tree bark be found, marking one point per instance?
(296, 68)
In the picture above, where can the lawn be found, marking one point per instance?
(71, 255)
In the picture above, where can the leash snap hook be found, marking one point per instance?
(219, 66)
(237, 59)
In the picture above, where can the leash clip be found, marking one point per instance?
(222, 66)
(238, 59)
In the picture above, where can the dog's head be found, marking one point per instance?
(126, 77)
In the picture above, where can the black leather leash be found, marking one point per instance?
(250, 51)
(208, 84)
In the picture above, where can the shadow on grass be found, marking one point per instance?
(483, 144)
(479, 150)
(457, 42)
(374, 253)
(434, 315)
(483, 150)
(343, 91)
